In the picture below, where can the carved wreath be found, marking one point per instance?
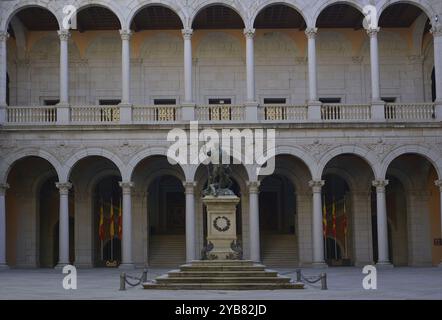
(221, 224)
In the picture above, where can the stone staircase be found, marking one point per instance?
(167, 250)
(279, 250)
(222, 275)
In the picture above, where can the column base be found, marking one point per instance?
(4, 267)
(319, 265)
(384, 265)
(126, 266)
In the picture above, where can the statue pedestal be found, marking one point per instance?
(221, 225)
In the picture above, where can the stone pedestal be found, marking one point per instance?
(221, 225)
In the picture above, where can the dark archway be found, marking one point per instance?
(336, 211)
(107, 206)
(217, 17)
(167, 221)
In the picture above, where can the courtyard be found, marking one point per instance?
(343, 283)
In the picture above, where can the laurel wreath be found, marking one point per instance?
(217, 227)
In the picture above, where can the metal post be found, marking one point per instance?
(144, 277)
(323, 281)
(123, 281)
(298, 275)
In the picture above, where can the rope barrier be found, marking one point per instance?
(138, 280)
(310, 279)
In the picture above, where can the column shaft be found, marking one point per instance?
(250, 65)
(190, 221)
(382, 222)
(255, 248)
(317, 231)
(125, 45)
(126, 245)
(188, 90)
(64, 67)
(374, 65)
(63, 224)
(3, 69)
(312, 73)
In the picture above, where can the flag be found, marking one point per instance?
(111, 226)
(345, 222)
(334, 218)
(101, 224)
(324, 219)
(120, 222)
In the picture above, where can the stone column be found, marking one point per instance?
(63, 115)
(126, 243)
(188, 107)
(3, 73)
(377, 105)
(438, 183)
(314, 106)
(317, 232)
(251, 103)
(255, 249)
(3, 188)
(125, 106)
(189, 189)
(382, 222)
(63, 224)
(436, 30)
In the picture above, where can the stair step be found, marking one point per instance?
(207, 280)
(202, 274)
(221, 268)
(224, 286)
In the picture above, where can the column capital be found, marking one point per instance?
(3, 188)
(373, 32)
(4, 36)
(380, 185)
(189, 187)
(311, 33)
(63, 187)
(126, 186)
(436, 30)
(249, 33)
(316, 185)
(187, 33)
(64, 35)
(253, 186)
(438, 183)
(125, 34)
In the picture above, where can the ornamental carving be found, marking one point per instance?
(381, 149)
(317, 150)
(221, 224)
(126, 151)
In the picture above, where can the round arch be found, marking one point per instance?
(299, 154)
(295, 5)
(109, 5)
(139, 157)
(136, 7)
(362, 153)
(208, 3)
(324, 5)
(421, 4)
(432, 156)
(48, 5)
(10, 160)
(90, 152)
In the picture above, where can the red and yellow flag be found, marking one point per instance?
(120, 222)
(324, 219)
(334, 218)
(112, 225)
(101, 232)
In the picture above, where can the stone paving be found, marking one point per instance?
(343, 283)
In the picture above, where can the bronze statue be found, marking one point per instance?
(219, 182)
